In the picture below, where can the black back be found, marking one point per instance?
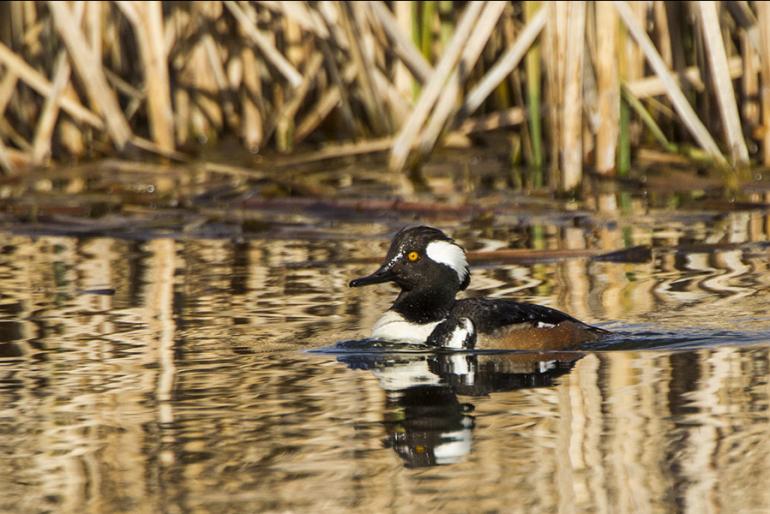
(490, 314)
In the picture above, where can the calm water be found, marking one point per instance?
(172, 374)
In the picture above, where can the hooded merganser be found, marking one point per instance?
(431, 268)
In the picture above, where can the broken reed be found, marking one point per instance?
(599, 79)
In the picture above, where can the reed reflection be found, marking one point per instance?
(426, 421)
(169, 371)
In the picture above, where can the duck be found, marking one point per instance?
(431, 268)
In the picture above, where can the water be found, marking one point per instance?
(169, 372)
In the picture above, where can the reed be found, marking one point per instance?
(83, 79)
(608, 87)
(534, 81)
(572, 112)
(763, 14)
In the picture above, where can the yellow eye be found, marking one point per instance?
(413, 256)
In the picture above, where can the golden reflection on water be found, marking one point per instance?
(168, 375)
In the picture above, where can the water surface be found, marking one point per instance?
(170, 372)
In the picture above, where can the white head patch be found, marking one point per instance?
(451, 255)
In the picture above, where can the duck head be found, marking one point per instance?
(429, 267)
(422, 258)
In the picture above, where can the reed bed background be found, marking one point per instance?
(577, 85)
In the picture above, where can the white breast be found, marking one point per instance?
(393, 327)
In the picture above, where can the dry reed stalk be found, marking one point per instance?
(39, 83)
(634, 56)
(299, 12)
(205, 111)
(147, 21)
(271, 28)
(717, 57)
(182, 115)
(504, 65)
(5, 161)
(608, 87)
(124, 87)
(745, 18)
(408, 132)
(340, 83)
(369, 91)
(763, 17)
(399, 106)
(15, 12)
(493, 121)
(590, 95)
(251, 128)
(73, 138)
(407, 52)
(446, 103)
(509, 92)
(264, 45)
(206, 115)
(70, 135)
(675, 13)
(14, 136)
(113, 49)
(367, 26)
(285, 119)
(41, 145)
(370, 24)
(749, 81)
(571, 144)
(317, 114)
(174, 35)
(94, 25)
(403, 25)
(653, 86)
(662, 33)
(554, 49)
(322, 108)
(293, 42)
(150, 147)
(222, 86)
(682, 106)
(7, 88)
(324, 33)
(338, 150)
(330, 14)
(88, 67)
(704, 104)
(33, 27)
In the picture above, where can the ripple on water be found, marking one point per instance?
(147, 376)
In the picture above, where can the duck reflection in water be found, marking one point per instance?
(427, 424)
